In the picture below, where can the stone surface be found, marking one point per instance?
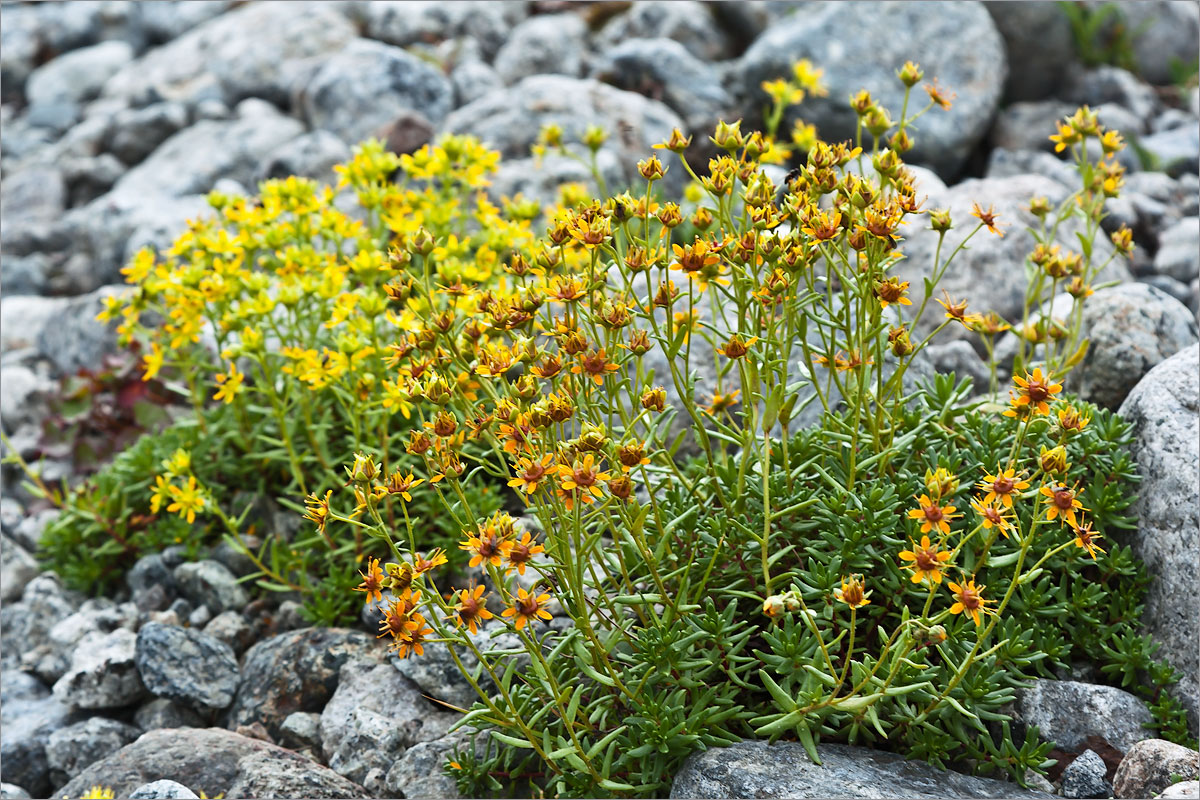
(310, 155)
(17, 566)
(10, 791)
(404, 23)
(1084, 777)
(1039, 44)
(1175, 151)
(858, 48)
(1004, 163)
(1132, 328)
(1068, 712)
(688, 22)
(439, 678)
(29, 714)
(162, 713)
(71, 749)
(210, 583)
(256, 50)
(295, 671)
(1148, 767)
(36, 193)
(76, 338)
(1184, 790)
(231, 628)
(77, 76)
(102, 672)
(418, 774)
(1027, 125)
(552, 43)
(1178, 253)
(134, 133)
(756, 769)
(1163, 410)
(663, 69)
(160, 790)
(1108, 84)
(213, 761)
(375, 714)
(1166, 33)
(366, 85)
(302, 729)
(186, 666)
(510, 120)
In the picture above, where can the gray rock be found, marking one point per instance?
(148, 572)
(295, 671)
(1150, 766)
(256, 50)
(1084, 777)
(858, 48)
(210, 583)
(160, 790)
(366, 85)
(231, 628)
(1107, 84)
(473, 80)
(1166, 33)
(663, 69)
(25, 632)
(992, 262)
(71, 749)
(1162, 409)
(163, 22)
(1012, 163)
(1028, 125)
(55, 117)
(24, 274)
(419, 775)
(1132, 328)
(1179, 291)
(1040, 47)
(193, 160)
(510, 121)
(96, 615)
(553, 43)
(89, 177)
(1068, 712)
(33, 194)
(136, 132)
(162, 713)
(1178, 253)
(77, 76)
(437, 674)
(405, 23)
(1184, 790)
(302, 729)
(1172, 118)
(23, 394)
(17, 566)
(213, 761)
(783, 769)
(375, 714)
(690, 23)
(187, 666)
(310, 155)
(102, 673)
(29, 715)
(12, 791)
(1175, 151)
(76, 338)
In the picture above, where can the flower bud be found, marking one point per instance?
(910, 74)
(1054, 460)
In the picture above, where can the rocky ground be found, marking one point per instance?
(119, 116)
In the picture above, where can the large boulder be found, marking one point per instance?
(78, 76)
(553, 43)
(693, 24)
(1131, 329)
(359, 90)
(1163, 410)
(783, 769)
(1165, 34)
(859, 47)
(1039, 44)
(103, 673)
(213, 761)
(1069, 712)
(257, 50)
(509, 121)
(1151, 766)
(187, 666)
(295, 671)
(373, 717)
(71, 749)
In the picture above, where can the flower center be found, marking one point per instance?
(1003, 485)
(927, 559)
(1064, 499)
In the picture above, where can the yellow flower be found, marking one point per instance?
(372, 582)
(933, 515)
(470, 609)
(1035, 390)
(531, 472)
(528, 607)
(186, 500)
(969, 600)
(927, 561)
(1061, 502)
(162, 493)
(230, 386)
(852, 592)
(318, 509)
(991, 516)
(1087, 539)
(152, 362)
(1002, 485)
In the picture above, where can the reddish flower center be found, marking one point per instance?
(1064, 499)
(926, 559)
(527, 606)
(1037, 391)
(970, 599)
(1003, 485)
(933, 513)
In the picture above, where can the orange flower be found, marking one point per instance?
(1002, 486)
(372, 582)
(584, 475)
(933, 515)
(528, 607)
(969, 600)
(412, 640)
(530, 473)
(1061, 502)
(1086, 538)
(991, 516)
(988, 218)
(436, 559)
(486, 548)
(1035, 390)
(596, 365)
(852, 592)
(519, 553)
(927, 561)
(470, 609)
